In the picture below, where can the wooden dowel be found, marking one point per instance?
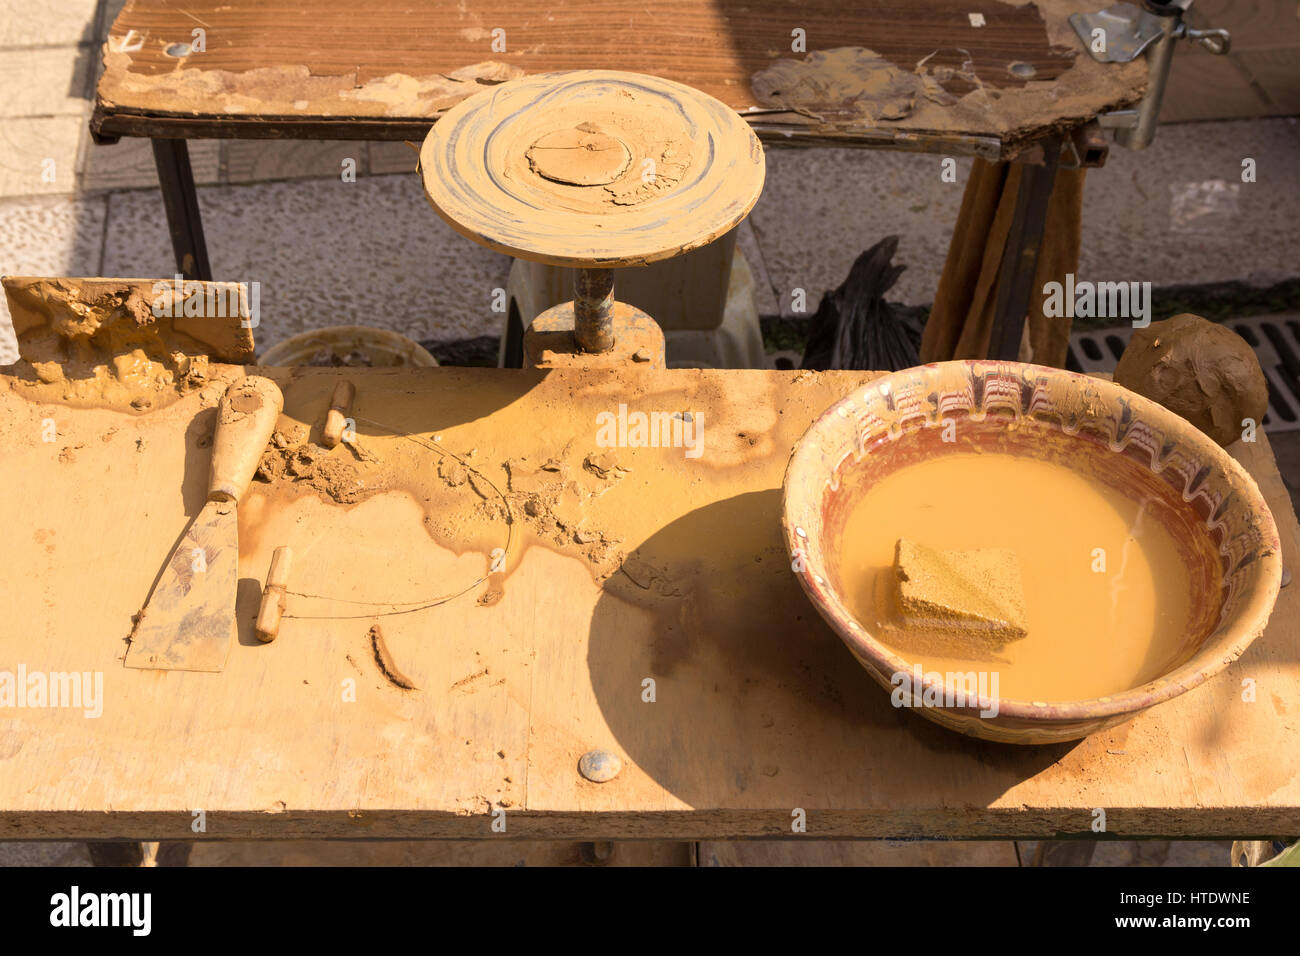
(336, 417)
(273, 596)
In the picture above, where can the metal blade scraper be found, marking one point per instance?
(190, 616)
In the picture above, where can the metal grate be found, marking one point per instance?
(1275, 339)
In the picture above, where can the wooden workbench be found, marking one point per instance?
(680, 578)
(328, 69)
(989, 78)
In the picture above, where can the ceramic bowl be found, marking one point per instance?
(372, 347)
(1223, 529)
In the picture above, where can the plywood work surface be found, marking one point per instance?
(318, 70)
(629, 573)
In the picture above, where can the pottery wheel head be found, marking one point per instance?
(594, 167)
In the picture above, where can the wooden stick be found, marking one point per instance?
(273, 596)
(336, 417)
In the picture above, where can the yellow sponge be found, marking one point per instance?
(972, 594)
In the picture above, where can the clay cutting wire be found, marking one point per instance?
(409, 607)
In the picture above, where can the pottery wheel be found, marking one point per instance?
(594, 167)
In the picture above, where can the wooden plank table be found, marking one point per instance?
(326, 69)
(624, 565)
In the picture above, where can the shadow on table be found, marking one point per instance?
(757, 703)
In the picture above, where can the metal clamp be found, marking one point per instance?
(1126, 33)
(1216, 41)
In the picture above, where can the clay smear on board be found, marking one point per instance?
(545, 501)
(975, 89)
(547, 498)
(101, 345)
(293, 89)
(557, 495)
(857, 83)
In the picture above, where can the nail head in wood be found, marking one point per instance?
(600, 766)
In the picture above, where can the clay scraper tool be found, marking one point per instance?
(190, 616)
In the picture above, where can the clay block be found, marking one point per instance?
(971, 593)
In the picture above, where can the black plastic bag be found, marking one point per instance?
(855, 328)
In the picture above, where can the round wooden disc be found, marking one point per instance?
(593, 167)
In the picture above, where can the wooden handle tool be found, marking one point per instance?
(245, 419)
(189, 619)
(273, 596)
(336, 417)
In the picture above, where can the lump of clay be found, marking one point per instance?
(1202, 371)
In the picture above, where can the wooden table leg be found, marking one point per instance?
(172, 157)
(1020, 257)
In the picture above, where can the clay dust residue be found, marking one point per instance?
(468, 501)
(105, 349)
(471, 501)
(330, 473)
(548, 499)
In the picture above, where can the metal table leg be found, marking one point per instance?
(172, 157)
(1020, 257)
